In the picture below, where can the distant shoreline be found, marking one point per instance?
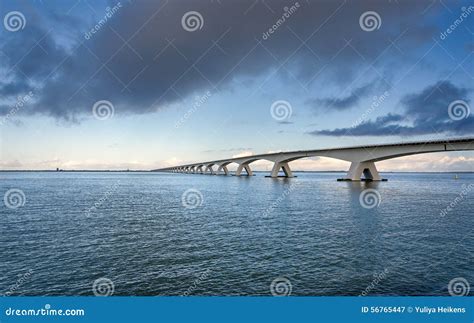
(257, 171)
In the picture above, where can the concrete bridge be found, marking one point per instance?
(362, 158)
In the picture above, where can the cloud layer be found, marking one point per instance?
(433, 110)
(142, 59)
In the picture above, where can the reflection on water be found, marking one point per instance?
(235, 235)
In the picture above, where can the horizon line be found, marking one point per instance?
(152, 171)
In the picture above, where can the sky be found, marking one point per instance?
(148, 84)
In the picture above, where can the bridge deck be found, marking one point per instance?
(317, 151)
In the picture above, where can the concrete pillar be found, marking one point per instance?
(209, 168)
(241, 167)
(367, 168)
(222, 168)
(193, 169)
(199, 169)
(281, 165)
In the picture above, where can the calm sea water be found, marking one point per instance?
(150, 235)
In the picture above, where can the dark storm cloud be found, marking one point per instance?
(142, 59)
(32, 54)
(341, 103)
(426, 112)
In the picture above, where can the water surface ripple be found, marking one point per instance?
(133, 229)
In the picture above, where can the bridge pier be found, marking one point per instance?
(222, 168)
(358, 169)
(209, 168)
(281, 165)
(241, 167)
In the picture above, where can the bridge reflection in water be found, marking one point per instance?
(362, 158)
